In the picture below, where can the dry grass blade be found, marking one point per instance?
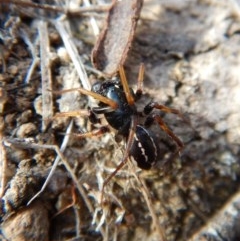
(192, 56)
(23, 144)
(92, 20)
(73, 53)
(47, 97)
(25, 34)
(56, 9)
(157, 228)
(55, 163)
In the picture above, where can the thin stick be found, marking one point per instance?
(92, 20)
(57, 9)
(27, 39)
(47, 97)
(55, 163)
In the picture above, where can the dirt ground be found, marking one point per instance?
(191, 53)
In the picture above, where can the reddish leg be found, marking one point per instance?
(154, 105)
(165, 128)
(97, 96)
(74, 201)
(129, 96)
(72, 114)
(140, 81)
(92, 118)
(97, 132)
(125, 156)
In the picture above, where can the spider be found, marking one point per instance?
(117, 102)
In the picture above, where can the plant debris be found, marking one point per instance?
(114, 42)
(191, 54)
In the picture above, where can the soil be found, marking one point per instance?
(191, 54)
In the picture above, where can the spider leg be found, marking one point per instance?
(128, 93)
(154, 105)
(125, 157)
(92, 116)
(97, 132)
(156, 118)
(140, 81)
(97, 96)
(72, 114)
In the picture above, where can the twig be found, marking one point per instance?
(92, 20)
(26, 37)
(58, 9)
(56, 162)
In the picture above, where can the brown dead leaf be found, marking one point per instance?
(113, 43)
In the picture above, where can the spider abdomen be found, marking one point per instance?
(144, 149)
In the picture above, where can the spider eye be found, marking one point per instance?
(97, 87)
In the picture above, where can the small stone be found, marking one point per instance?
(63, 54)
(13, 69)
(30, 223)
(26, 130)
(38, 105)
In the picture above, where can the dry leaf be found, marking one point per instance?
(113, 44)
